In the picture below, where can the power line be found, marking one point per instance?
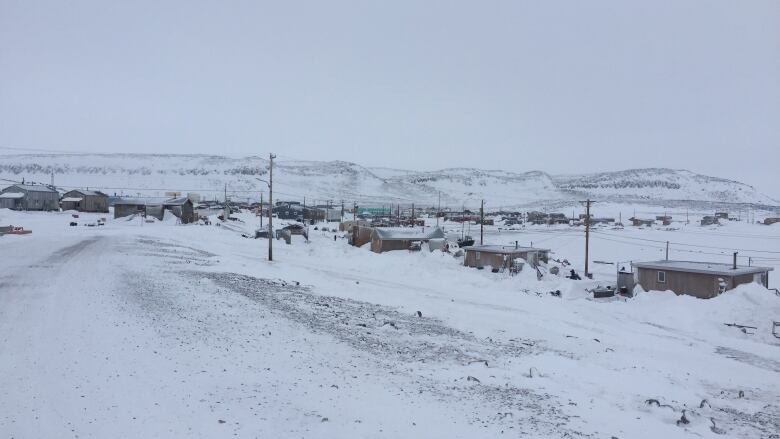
(693, 245)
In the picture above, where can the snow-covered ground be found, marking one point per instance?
(137, 329)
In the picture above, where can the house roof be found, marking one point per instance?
(87, 193)
(701, 267)
(13, 195)
(503, 249)
(133, 201)
(33, 187)
(407, 234)
(176, 201)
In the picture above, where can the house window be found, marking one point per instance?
(476, 254)
(662, 277)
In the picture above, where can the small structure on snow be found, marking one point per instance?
(503, 256)
(181, 208)
(84, 201)
(388, 239)
(699, 279)
(29, 197)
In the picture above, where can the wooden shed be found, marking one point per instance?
(639, 222)
(29, 197)
(699, 279)
(84, 201)
(502, 256)
(388, 239)
(129, 206)
(182, 208)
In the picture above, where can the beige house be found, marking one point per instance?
(699, 279)
(503, 256)
(388, 239)
(84, 201)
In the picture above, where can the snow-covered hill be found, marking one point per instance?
(212, 175)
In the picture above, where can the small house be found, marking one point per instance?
(638, 222)
(699, 279)
(604, 220)
(181, 208)
(770, 221)
(84, 201)
(722, 215)
(503, 256)
(388, 239)
(29, 197)
(709, 221)
(346, 226)
(129, 206)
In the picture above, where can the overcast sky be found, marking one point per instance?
(560, 86)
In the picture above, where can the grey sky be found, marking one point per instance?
(560, 86)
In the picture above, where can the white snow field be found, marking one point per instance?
(158, 330)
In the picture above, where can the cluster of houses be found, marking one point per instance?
(181, 207)
(44, 198)
(386, 232)
(38, 197)
(699, 279)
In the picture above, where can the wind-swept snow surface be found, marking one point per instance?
(140, 329)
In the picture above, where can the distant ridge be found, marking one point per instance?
(153, 174)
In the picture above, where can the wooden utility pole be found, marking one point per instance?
(587, 234)
(261, 210)
(667, 250)
(354, 224)
(342, 210)
(482, 223)
(271, 207)
(438, 210)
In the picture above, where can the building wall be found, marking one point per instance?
(89, 203)
(35, 200)
(494, 260)
(703, 286)
(363, 236)
(9, 203)
(184, 212)
(123, 210)
(70, 205)
(94, 203)
(380, 246)
(498, 260)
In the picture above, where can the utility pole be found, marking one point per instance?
(667, 250)
(261, 210)
(587, 233)
(342, 210)
(271, 207)
(354, 224)
(482, 223)
(438, 210)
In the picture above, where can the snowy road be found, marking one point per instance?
(103, 348)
